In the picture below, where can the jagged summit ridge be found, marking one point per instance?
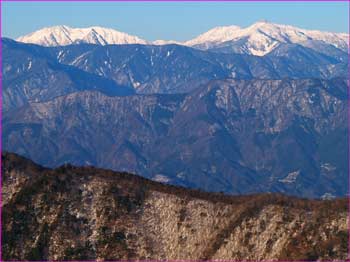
(63, 35)
(263, 37)
(258, 39)
(217, 34)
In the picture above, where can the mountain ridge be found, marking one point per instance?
(263, 37)
(225, 120)
(149, 69)
(258, 39)
(64, 35)
(175, 101)
(85, 213)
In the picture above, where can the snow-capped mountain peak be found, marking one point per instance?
(63, 35)
(262, 37)
(215, 35)
(258, 39)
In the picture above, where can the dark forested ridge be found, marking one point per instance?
(85, 213)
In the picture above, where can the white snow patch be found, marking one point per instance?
(166, 42)
(181, 175)
(290, 178)
(328, 167)
(161, 178)
(327, 196)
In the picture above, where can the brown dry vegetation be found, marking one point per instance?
(72, 213)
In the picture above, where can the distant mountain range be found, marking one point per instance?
(220, 113)
(236, 136)
(64, 35)
(263, 37)
(36, 73)
(258, 39)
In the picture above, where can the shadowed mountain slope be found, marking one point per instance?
(235, 136)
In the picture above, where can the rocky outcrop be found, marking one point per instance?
(73, 213)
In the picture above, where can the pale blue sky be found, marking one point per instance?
(169, 20)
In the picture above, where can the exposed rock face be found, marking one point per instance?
(236, 136)
(94, 214)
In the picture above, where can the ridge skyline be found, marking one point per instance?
(161, 21)
(258, 39)
(261, 21)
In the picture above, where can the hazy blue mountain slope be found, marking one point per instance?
(237, 136)
(31, 74)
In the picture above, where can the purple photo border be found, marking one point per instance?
(241, 1)
(1, 128)
(197, 1)
(348, 106)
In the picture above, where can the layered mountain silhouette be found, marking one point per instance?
(30, 70)
(232, 145)
(201, 114)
